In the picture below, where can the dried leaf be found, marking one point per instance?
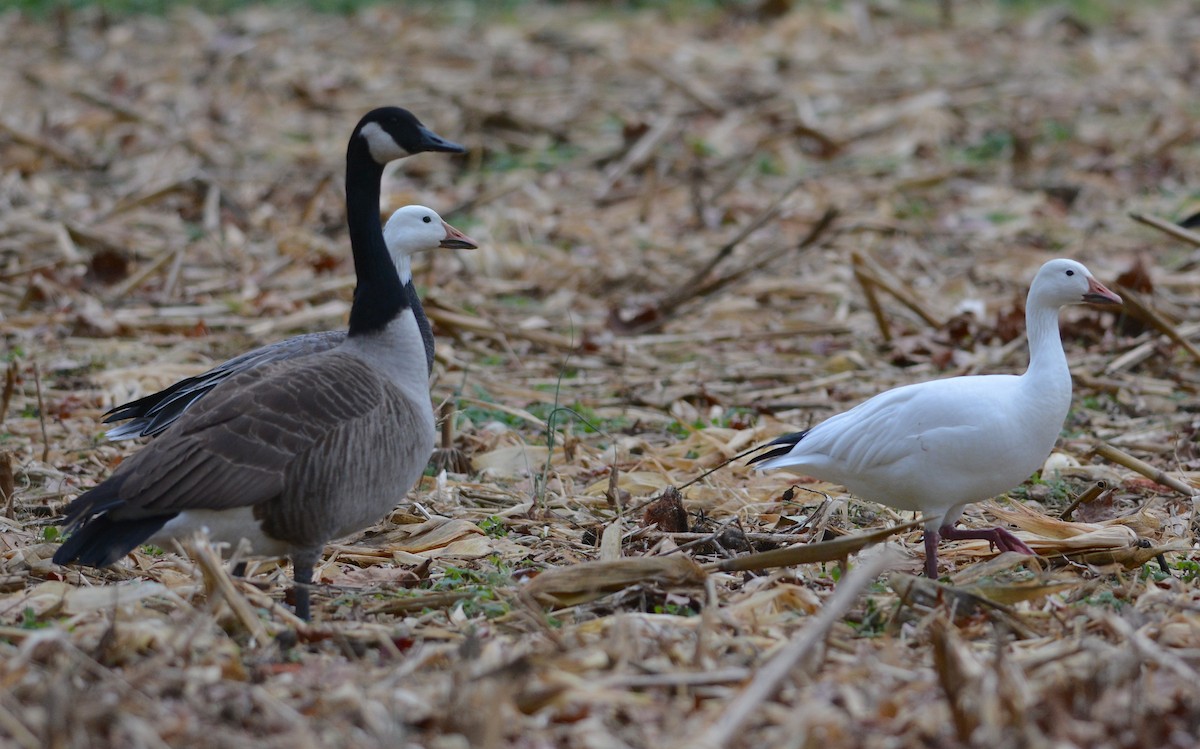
(570, 586)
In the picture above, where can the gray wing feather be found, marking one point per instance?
(153, 413)
(236, 447)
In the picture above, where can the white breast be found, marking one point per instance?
(224, 527)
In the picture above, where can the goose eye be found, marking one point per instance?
(1070, 273)
(427, 220)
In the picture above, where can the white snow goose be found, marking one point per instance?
(411, 229)
(296, 453)
(935, 447)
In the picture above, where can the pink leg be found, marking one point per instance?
(931, 542)
(997, 537)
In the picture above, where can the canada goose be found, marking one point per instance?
(938, 446)
(405, 233)
(297, 452)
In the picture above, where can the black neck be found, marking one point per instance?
(414, 301)
(380, 297)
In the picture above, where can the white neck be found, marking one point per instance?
(1048, 378)
(403, 267)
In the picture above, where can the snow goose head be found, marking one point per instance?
(415, 228)
(1062, 282)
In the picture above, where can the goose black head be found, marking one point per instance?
(391, 133)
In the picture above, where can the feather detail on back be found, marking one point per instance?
(155, 412)
(270, 439)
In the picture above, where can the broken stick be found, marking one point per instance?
(1122, 458)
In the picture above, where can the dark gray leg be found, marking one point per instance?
(931, 542)
(302, 575)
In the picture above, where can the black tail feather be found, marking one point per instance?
(97, 539)
(787, 442)
(102, 540)
(100, 498)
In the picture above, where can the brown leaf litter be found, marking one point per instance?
(700, 230)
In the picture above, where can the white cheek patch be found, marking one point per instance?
(382, 146)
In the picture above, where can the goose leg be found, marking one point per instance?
(931, 543)
(302, 576)
(998, 537)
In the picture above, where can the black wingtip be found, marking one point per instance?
(789, 439)
(777, 452)
(148, 405)
(130, 410)
(786, 442)
(140, 407)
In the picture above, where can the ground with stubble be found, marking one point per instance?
(702, 226)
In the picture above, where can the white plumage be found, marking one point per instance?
(935, 447)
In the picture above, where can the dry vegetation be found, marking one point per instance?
(700, 228)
